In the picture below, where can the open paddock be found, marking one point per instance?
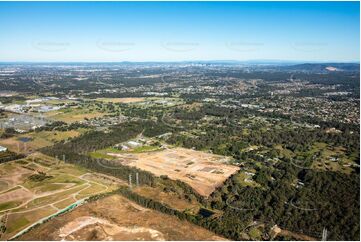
(37, 140)
(121, 100)
(71, 115)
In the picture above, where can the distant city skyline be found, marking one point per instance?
(179, 31)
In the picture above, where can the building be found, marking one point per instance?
(3, 149)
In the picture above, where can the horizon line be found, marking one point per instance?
(270, 61)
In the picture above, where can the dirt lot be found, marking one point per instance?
(13, 174)
(116, 218)
(202, 171)
(296, 236)
(15, 145)
(15, 195)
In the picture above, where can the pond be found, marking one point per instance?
(25, 139)
(205, 212)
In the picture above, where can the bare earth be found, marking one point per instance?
(122, 100)
(204, 172)
(116, 218)
(16, 195)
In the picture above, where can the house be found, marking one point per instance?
(3, 149)
(133, 144)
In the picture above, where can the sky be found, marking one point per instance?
(179, 31)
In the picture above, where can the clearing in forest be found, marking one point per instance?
(204, 172)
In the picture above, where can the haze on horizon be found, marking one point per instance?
(179, 31)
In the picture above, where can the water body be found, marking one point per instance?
(205, 212)
(25, 139)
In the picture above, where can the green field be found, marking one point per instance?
(103, 153)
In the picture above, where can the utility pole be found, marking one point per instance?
(137, 178)
(324, 234)
(130, 180)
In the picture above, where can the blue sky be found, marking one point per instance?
(177, 31)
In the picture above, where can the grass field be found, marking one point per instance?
(39, 186)
(38, 140)
(331, 158)
(121, 100)
(322, 157)
(245, 179)
(104, 153)
(70, 115)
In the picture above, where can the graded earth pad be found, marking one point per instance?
(117, 218)
(204, 172)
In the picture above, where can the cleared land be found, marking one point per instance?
(121, 100)
(323, 156)
(70, 115)
(40, 186)
(170, 199)
(202, 171)
(36, 140)
(116, 218)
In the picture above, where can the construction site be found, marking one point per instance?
(117, 218)
(204, 172)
